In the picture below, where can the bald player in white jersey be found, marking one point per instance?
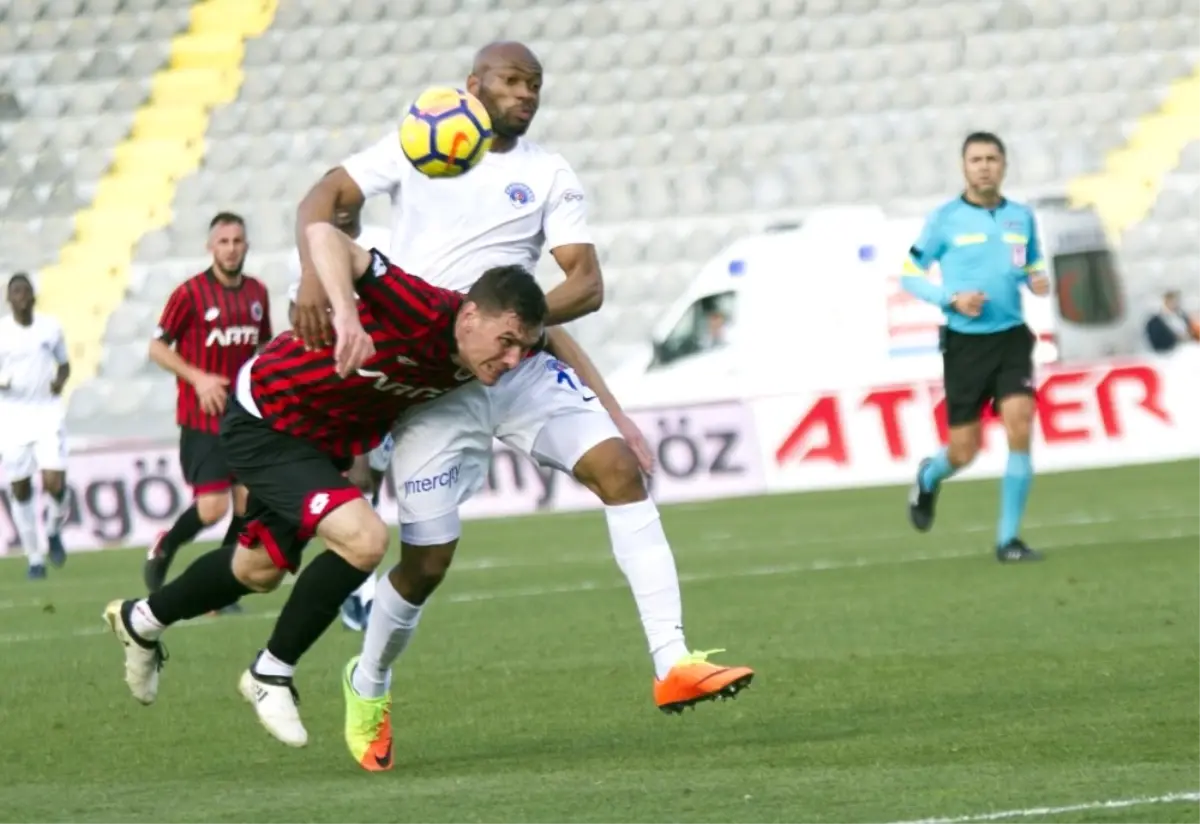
(520, 199)
(33, 371)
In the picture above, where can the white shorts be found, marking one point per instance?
(443, 449)
(30, 443)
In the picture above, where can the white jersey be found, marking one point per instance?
(29, 361)
(371, 237)
(503, 212)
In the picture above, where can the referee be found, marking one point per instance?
(987, 248)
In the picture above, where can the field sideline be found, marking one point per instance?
(901, 677)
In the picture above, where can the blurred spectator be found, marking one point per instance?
(1170, 325)
(714, 333)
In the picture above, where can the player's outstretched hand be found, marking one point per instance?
(211, 392)
(312, 321)
(1039, 284)
(353, 346)
(636, 440)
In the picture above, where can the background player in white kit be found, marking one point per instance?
(33, 371)
(518, 200)
(368, 470)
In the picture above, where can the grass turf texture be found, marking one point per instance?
(900, 676)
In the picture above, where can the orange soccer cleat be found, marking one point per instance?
(694, 679)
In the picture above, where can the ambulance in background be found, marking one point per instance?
(820, 305)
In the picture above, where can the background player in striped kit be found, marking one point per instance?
(212, 324)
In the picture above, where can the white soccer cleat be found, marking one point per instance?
(143, 659)
(275, 701)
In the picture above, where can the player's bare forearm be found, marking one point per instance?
(336, 190)
(62, 376)
(336, 264)
(167, 358)
(563, 346)
(583, 290)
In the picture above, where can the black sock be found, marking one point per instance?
(236, 524)
(208, 584)
(313, 604)
(185, 529)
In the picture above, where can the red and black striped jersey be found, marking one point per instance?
(411, 323)
(216, 328)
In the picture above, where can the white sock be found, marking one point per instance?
(268, 664)
(393, 621)
(56, 514)
(143, 622)
(366, 591)
(25, 520)
(643, 554)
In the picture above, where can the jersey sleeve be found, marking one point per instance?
(1035, 259)
(380, 168)
(408, 306)
(176, 315)
(928, 248)
(565, 219)
(265, 332)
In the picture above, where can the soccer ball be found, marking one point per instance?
(446, 132)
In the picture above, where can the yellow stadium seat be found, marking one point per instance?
(249, 18)
(197, 86)
(122, 189)
(209, 50)
(169, 158)
(178, 122)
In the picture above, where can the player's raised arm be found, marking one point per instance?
(376, 170)
(570, 242)
(339, 261)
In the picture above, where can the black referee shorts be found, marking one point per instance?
(293, 485)
(978, 369)
(203, 461)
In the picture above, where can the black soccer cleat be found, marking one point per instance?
(1015, 551)
(158, 563)
(921, 504)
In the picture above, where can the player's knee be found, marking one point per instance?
(255, 570)
(421, 570)
(53, 483)
(212, 507)
(612, 472)
(356, 533)
(22, 490)
(962, 448)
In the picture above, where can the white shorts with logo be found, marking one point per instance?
(31, 440)
(443, 449)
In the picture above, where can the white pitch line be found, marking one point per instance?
(1032, 812)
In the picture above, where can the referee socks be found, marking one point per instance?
(1014, 493)
(936, 470)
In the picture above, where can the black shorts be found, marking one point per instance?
(293, 485)
(203, 461)
(982, 368)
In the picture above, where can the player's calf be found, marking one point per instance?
(611, 471)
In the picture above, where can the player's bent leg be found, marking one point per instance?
(609, 468)
(426, 551)
(210, 505)
(54, 484)
(24, 515)
(1016, 411)
(363, 475)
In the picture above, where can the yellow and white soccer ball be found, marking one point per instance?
(446, 132)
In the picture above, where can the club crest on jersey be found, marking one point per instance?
(212, 314)
(256, 310)
(1018, 255)
(519, 194)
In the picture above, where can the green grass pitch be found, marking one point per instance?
(900, 676)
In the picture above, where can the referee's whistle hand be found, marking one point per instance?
(1039, 284)
(970, 303)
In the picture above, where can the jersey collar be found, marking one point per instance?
(1003, 202)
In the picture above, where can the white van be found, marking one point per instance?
(820, 305)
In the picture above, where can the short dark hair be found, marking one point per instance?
(984, 137)
(226, 218)
(20, 277)
(510, 289)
